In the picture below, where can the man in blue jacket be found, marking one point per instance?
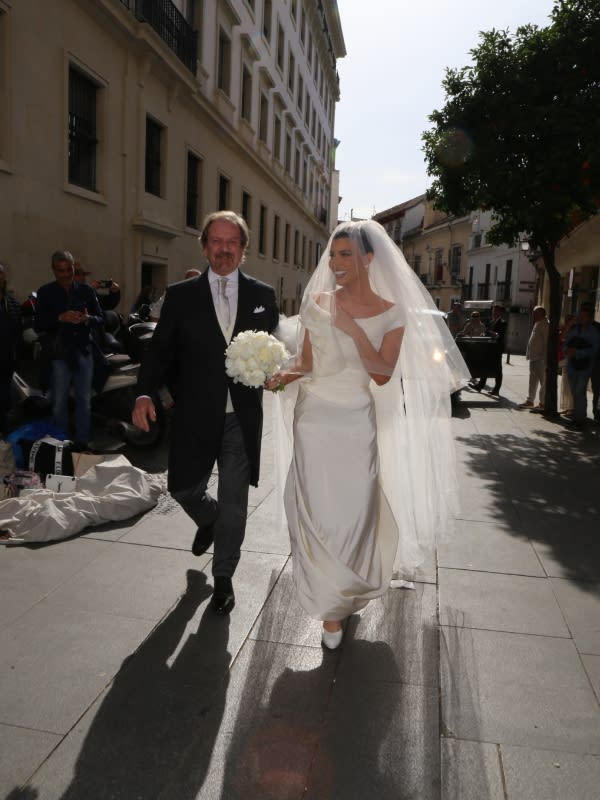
(66, 312)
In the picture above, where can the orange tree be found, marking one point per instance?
(520, 134)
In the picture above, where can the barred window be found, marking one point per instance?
(264, 117)
(223, 193)
(262, 230)
(193, 181)
(246, 110)
(276, 236)
(247, 207)
(224, 62)
(153, 156)
(83, 142)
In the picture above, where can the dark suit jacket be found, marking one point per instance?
(188, 345)
(499, 326)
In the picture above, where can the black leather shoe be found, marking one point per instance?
(203, 539)
(223, 599)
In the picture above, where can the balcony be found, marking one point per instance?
(170, 25)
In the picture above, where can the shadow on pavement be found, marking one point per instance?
(551, 480)
(165, 705)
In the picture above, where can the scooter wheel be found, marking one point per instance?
(139, 438)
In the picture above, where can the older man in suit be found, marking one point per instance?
(214, 418)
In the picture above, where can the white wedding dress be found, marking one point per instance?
(343, 533)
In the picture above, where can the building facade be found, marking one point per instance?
(123, 122)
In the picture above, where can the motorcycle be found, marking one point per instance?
(111, 407)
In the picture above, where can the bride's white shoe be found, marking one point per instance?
(332, 639)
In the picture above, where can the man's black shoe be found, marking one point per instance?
(203, 539)
(223, 599)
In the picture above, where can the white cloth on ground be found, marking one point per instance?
(111, 491)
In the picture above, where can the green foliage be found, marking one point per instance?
(520, 129)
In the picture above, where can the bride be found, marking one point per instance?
(370, 425)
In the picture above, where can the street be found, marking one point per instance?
(117, 681)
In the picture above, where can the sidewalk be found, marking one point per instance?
(118, 683)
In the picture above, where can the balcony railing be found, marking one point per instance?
(172, 27)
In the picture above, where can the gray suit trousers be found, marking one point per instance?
(230, 510)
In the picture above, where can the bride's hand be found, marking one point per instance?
(344, 322)
(276, 380)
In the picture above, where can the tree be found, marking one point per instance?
(520, 134)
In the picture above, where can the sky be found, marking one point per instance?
(391, 80)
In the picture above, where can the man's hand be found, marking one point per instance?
(72, 317)
(143, 413)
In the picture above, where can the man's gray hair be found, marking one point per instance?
(62, 255)
(225, 216)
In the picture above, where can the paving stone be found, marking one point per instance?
(27, 574)
(129, 580)
(566, 547)
(21, 752)
(470, 771)
(266, 530)
(380, 740)
(517, 689)
(164, 705)
(406, 621)
(499, 602)
(55, 660)
(111, 531)
(580, 603)
(175, 530)
(253, 582)
(592, 667)
(271, 726)
(550, 775)
(283, 620)
(489, 547)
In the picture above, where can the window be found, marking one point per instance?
(193, 182)
(288, 153)
(417, 264)
(300, 96)
(224, 62)
(291, 72)
(82, 130)
(302, 25)
(303, 252)
(310, 256)
(296, 243)
(309, 50)
(262, 230)
(247, 207)
(286, 243)
(439, 266)
(267, 19)
(307, 109)
(246, 104)
(294, 9)
(277, 137)
(275, 237)
(264, 117)
(154, 133)
(223, 193)
(455, 259)
(280, 47)
(304, 175)
(297, 167)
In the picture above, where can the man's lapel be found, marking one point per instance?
(241, 319)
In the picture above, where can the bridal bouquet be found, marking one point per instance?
(254, 356)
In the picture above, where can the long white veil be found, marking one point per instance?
(414, 436)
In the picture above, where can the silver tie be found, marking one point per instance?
(223, 303)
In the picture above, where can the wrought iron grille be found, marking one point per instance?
(82, 130)
(172, 27)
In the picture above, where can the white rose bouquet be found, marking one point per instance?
(254, 356)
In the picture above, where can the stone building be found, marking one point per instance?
(123, 122)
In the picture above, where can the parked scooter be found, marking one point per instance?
(112, 406)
